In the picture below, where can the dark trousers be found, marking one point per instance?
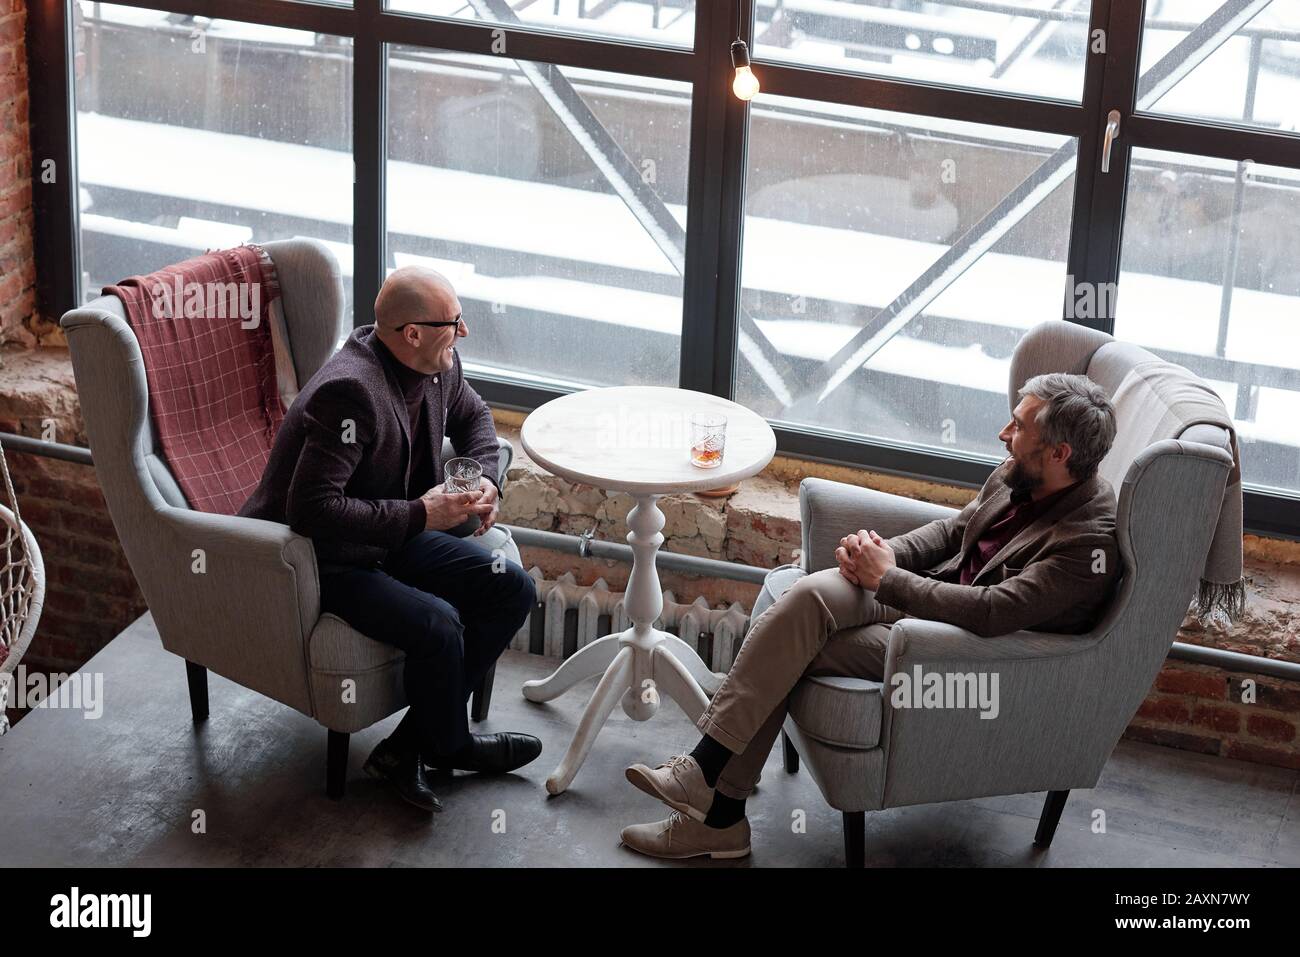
(453, 608)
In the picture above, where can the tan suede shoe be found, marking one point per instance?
(679, 837)
(680, 784)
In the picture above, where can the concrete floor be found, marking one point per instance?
(123, 789)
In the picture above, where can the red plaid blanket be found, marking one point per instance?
(204, 329)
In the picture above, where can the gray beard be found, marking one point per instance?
(1018, 480)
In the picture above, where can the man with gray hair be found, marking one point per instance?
(1035, 550)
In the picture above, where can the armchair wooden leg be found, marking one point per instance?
(197, 677)
(1051, 815)
(482, 699)
(855, 838)
(336, 764)
(790, 754)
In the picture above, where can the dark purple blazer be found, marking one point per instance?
(340, 466)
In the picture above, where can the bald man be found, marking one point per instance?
(356, 468)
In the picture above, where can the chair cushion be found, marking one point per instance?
(355, 681)
(338, 648)
(337, 652)
(843, 712)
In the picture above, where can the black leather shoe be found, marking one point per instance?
(404, 773)
(491, 754)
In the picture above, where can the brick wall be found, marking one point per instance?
(1200, 708)
(18, 320)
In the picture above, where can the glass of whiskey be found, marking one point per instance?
(708, 439)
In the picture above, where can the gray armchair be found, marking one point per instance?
(254, 615)
(1064, 699)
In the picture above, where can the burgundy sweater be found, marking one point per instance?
(1019, 514)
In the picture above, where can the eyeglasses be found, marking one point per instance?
(458, 323)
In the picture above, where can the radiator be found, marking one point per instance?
(568, 616)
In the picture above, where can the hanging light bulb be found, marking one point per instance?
(745, 84)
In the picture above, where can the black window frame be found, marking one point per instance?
(717, 166)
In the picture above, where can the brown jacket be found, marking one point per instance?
(1055, 575)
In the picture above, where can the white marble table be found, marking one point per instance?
(637, 439)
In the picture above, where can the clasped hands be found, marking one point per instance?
(444, 510)
(864, 558)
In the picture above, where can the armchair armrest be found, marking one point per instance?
(830, 510)
(239, 596)
(935, 643)
(1027, 711)
(260, 539)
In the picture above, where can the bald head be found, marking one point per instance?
(415, 294)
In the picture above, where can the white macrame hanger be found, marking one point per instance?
(22, 588)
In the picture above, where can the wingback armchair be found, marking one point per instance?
(254, 614)
(1064, 699)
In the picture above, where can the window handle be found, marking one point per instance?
(1112, 134)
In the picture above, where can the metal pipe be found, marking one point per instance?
(672, 561)
(1235, 661)
(584, 546)
(53, 450)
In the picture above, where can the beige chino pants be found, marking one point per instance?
(823, 625)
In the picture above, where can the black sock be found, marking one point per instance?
(712, 758)
(725, 811)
